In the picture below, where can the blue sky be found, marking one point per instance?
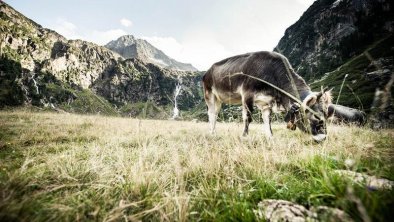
(200, 32)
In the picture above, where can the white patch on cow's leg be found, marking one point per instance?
(265, 114)
(213, 110)
(212, 119)
(267, 122)
(244, 118)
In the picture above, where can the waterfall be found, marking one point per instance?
(35, 85)
(176, 94)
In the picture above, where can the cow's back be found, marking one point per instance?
(269, 66)
(254, 64)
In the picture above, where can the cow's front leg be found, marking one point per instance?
(266, 114)
(213, 109)
(247, 110)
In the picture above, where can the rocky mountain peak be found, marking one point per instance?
(130, 47)
(122, 41)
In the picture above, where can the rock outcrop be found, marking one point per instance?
(371, 182)
(282, 210)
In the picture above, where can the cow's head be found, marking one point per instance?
(315, 121)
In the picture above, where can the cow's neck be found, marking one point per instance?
(302, 88)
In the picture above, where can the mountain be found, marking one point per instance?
(348, 45)
(130, 47)
(42, 68)
(330, 32)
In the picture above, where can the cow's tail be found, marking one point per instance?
(207, 80)
(207, 83)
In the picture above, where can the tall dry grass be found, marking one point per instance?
(73, 167)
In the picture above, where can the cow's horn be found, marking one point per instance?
(319, 94)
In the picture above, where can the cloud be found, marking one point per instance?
(305, 2)
(103, 37)
(126, 23)
(71, 31)
(66, 28)
(202, 52)
(169, 45)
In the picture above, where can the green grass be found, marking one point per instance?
(88, 102)
(68, 167)
(358, 90)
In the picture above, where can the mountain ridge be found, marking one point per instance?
(130, 47)
(42, 68)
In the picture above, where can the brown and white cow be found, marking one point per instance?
(235, 80)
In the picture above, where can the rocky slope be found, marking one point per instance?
(40, 67)
(332, 31)
(130, 47)
(348, 45)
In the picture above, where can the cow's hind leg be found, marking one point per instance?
(247, 110)
(214, 106)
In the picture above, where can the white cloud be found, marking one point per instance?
(126, 22)
(169, 45)
(305, 2)
(71, 31)
(103, 37)
(202, 52)
(66, 28)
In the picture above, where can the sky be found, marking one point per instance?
(200, 32)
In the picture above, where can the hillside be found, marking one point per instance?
(365, 72)
(347, 42)
(331, 32)
(130, 47)
(42, 68)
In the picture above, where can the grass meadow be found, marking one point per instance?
(68, 167)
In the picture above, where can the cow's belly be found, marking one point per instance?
(259, 99)
(263, 100)
(228, 97)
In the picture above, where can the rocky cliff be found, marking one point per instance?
(130, 47)
(40, 67)
(331, 32)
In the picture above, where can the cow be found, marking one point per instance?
(343, 114)
(248, 79)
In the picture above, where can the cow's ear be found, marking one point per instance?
(310, 100)
(330, 111)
